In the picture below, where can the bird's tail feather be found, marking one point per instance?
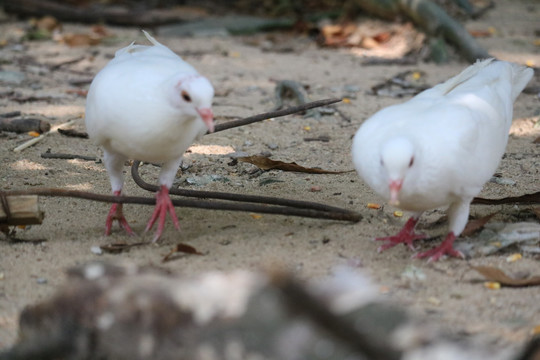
(465, 75)
(151, 39)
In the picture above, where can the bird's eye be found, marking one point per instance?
(186, 96)
(411, 162)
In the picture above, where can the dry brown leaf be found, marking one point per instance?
(265, 163)
(476, 224)
(337, 35)
(47, 23)
(496, 274)
(74, 40)
(181, 248)
(382, 37)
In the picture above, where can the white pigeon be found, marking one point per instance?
(439, 148)
(147, 104)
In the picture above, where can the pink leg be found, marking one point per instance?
(116, 214)
(163, 205)
(405, 236)
(446, 248)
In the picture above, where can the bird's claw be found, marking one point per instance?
(116, 214)
(446, 248)
(163, 206)
(406, 236)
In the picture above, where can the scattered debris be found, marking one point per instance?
(116, 248)
(50, 155)
(405, 83)
(24, 124)
(181, 248)
(494, 274)
(498, 236)
(73, 133)
(476, 224)
(265, 163)
(322, 138)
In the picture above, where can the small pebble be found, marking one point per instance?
(96, 250)
(41, 281)
(502, 181)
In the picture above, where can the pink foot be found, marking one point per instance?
(116, 214)
(163, 205)
(446, 248)
(405, 236)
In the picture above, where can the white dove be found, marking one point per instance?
(147, 104)
(440, 147)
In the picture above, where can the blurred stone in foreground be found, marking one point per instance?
(110, 311)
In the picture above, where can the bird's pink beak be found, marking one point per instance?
(207, 117)
(395, 187)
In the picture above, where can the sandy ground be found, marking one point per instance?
(451, 294)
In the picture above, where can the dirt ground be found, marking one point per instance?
(450, 294)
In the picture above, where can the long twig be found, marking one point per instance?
(332, 211)
(273, 114)
(310, 212)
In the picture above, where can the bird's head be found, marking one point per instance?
(397, 159)
(193, 95)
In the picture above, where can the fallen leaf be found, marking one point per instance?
(382, 37)
(47, 23)
(265, 163)
(33, 133)
(398, 213)
(369, 43)
(497, 275)
(181, 248)
(337, 35)
(533, 198)
(74, 40)
(476, 224)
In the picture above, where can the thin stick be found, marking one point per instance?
(42, 136)
(344, 215)
(49, 155)
(348, 215)
(273, 114)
